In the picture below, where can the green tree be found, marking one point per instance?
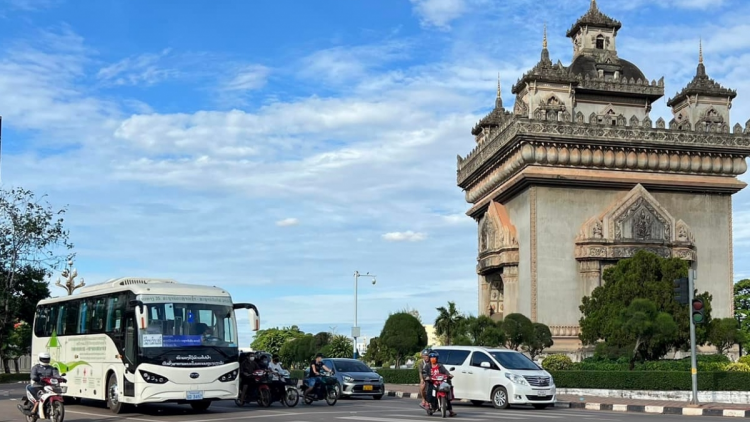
(518, 330)
(272, 339)
(540, 339)
(377, 353)
(724, 333)
(32, 238)
(17, 345)
(340, 346)
(482, 331)
(448, 322)
(298, 352)
(649, 332)
(742, 307)
(404, 335)
(644, 276)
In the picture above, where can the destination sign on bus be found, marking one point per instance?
(212, 300)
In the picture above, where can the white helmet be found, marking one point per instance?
(44, 358)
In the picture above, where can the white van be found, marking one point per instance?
(501, 376)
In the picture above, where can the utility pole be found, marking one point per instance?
(355, 328)
(693, 359)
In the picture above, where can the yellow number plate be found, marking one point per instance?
(367, 388)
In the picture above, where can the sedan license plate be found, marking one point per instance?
(542, 393)
(367, 388)
(194, 395)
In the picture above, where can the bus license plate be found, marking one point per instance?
(194, 395)
(367, 388)
(542, 393)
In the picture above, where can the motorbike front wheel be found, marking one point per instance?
(332, 396)
(57, 411)
(265, 397)
(291, 397)
(444, 406)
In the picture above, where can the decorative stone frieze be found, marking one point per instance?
(609, 157)
(565, 330)
(498, 243)
(702, 145)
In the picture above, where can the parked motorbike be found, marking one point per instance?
(442, 391)
(325, 389)
(288, 388)
(48, 404)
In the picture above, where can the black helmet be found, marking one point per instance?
(434, 354)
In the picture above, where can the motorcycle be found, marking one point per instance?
(269, 388)
(48, 404)
(442, 391)
(325, 389)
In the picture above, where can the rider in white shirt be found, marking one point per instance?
(275, 365)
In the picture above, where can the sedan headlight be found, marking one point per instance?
(516, 379)
(347, 378)
(382, 379)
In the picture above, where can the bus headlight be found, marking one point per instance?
(153, 378)
(229, 376)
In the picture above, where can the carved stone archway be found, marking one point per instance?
(635, 222)
(497, 262)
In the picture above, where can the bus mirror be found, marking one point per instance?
(138, 303)
(254, 319)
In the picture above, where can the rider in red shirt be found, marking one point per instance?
(434, 369)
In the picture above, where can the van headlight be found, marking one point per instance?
(516, 379)
(347, 378)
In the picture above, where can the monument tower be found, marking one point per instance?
(577, 177)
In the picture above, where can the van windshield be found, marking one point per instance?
(515, 360)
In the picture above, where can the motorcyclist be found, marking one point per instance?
(43, 369)
(247, 368)
(433, 369)
(315, 367)
(263, 362)
(422, 384)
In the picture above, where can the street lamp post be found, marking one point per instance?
(70, 274)
(355, 329)
(740, 318)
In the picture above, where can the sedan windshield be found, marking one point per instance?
(515, 360)
(346, 366)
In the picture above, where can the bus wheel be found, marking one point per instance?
(201, 406)
(113, 396)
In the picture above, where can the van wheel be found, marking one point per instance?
(500, 398)
(477, 402)
(113, 396)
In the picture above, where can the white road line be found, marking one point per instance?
(519, 415)
(235, 418)
(425, 416)
(111, 416)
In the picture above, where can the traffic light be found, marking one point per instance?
(698, 309)
(682, 291)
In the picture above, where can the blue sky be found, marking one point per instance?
(275, 147)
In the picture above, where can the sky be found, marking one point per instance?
(276, 147)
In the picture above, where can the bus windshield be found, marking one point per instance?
(188, 333)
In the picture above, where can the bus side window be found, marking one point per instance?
(83, 315)
(40, 323)
(71, 317)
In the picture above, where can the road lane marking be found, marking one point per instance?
(111, 416)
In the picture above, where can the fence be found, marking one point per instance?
(24, 364)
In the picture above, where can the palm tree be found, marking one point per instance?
(448, 322)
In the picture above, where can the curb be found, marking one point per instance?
(631, 408)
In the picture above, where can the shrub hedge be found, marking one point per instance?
(12, 378)
(652, 380)
(399, 376)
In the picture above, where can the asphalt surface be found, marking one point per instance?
(365, 410)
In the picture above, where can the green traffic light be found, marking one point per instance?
(697, 318)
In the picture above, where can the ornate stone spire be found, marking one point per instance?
(702, 85)
(594, 17)
(545, 52)
(545, 70)
(499, 98)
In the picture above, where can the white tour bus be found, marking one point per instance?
(135, 340)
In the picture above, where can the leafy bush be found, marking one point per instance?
(12, 378)
(706, 363)
(557, 363)
(745, 360)
(738, 367)
(399, 376)
(649, 380)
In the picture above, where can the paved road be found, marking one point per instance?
(365, 410)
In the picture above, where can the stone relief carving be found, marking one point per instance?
(580, 119)
(660, 123)
(498, 244)
(634, 121)
(635, 222)
(520, 108)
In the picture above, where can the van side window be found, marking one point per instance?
(478, 357)
(453, 357)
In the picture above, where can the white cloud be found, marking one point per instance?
(407, 236)
(287, 222)
(346, 63)
(141, 69)
(458, 219)
(248, 78)
(439, 13)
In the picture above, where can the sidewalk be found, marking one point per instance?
(614, 404)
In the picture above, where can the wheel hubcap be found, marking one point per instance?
(113, 395)
(500, 398)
